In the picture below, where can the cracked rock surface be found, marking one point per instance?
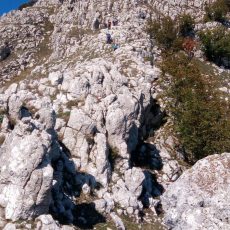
(200, 197)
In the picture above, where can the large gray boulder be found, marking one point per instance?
(89, 149)
(127, 192)
(26, 173)
(200, 198)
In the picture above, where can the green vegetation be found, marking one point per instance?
(74, 103)
(217, 11)
(113, 155)
(201, 115)
(169, 34)
(186, 25)
(65, 115)
(163, 31)
(199, 111)
(216, 45)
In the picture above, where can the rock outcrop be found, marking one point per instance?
(26, 173)
(200, 198)
(173, 8)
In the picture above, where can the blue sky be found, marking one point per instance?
(8, 5)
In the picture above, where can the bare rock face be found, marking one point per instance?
(200, 198)
(43, 222)
(22, 33)
(46, 222)
(127, 192)
(175, 7)
(26, 173)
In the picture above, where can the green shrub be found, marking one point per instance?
(216, 45)
(169, 34)
(65, 115)
(163, 31)
(200, 116)
(186, 25)
(217, 11)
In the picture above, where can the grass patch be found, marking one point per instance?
(63, 115)
(113, 155)
(2, 139)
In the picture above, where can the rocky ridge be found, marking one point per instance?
(76, 116)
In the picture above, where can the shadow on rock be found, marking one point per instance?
(68, 187)
(148, 156)
(87, 216)
(151, 191)
(152, 118)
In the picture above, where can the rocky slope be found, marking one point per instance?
(76, 117)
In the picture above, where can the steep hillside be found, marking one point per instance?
(85, 139)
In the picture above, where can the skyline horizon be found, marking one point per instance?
(7, 6)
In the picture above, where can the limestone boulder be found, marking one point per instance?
(127, 192)
(200, 198)
(26, 172)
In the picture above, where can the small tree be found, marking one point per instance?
(186, 25)
(216, 45)
(163, 31)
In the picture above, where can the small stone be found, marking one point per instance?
(130, 210)
(117, 220)
(10, 226)
(86, 189)
(119, 212)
